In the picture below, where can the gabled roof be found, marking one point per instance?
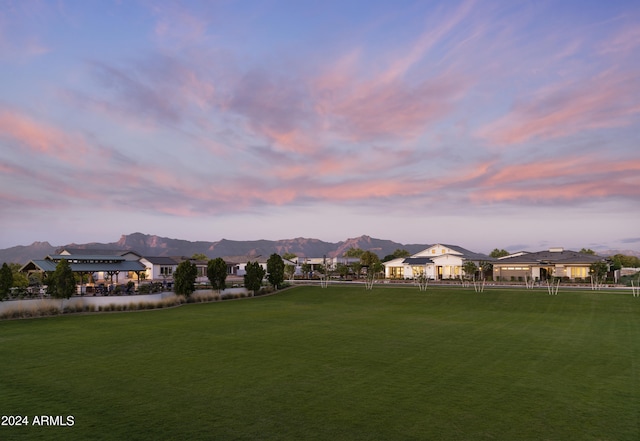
(454, 250)
(99, 252)
(469, 255)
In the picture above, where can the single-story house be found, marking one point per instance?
(541, 265)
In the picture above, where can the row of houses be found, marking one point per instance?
(442, 261)
(118, 267)
(437, 262)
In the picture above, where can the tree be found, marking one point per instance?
(184, 278)
(6, 281)
(217, 273)
(324, 275)
(253, 276)
(371, 262)
(353, 252)
(306, 269)
(275, 270)
(470, 269)
(587, 251)
(289, 269)
(623, 261)
(396, 254)
(289, 256)
(343, 270)
(356, 267)
(485, 268)
(372, 272)
(499, 253)
(199, 256)
(368, 258)
(598, 271)
(19, 279)
(62, 283)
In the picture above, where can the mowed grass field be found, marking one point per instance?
(340, 363)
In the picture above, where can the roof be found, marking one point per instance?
(417, 261)
(86, 257)
(101, 252)
(457, 251)
(469, 255)
(553, 257)
(160, 260)
(50, 265)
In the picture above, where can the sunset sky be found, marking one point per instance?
(485, 124)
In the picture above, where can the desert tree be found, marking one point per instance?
(342, 270)
(184, 278)
(289, 269)
(275, 270)
(323, 274)
(253, 276)
(598, 271)
(373, 270)
(217, 273)
(470, 269)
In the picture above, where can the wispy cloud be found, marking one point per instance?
(206, 109)
(23, 131)
(607, 100)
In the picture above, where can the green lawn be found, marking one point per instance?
(334, 364)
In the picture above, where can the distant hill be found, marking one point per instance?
(151, 245)
(23, 254)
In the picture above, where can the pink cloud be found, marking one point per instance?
(41, 137)
(623, 43)
(572, 179)
(607, 100)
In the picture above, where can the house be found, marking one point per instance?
(541, 265)
(159, 268)
(240, 269)
(439, 261)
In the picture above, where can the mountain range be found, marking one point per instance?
(151, 245)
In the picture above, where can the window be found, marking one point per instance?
(166, 270)
(578, 272)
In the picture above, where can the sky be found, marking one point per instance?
(484, 124)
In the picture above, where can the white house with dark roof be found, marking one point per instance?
(439, 261)
(159, 268)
